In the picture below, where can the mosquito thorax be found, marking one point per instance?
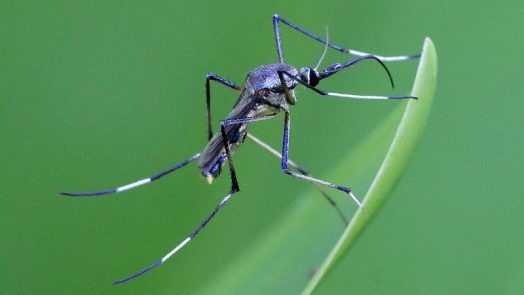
(310, 76)
(266, 77)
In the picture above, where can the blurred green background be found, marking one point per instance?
(96, 94)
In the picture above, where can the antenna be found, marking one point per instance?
(325, 50)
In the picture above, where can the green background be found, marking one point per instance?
(97, 94)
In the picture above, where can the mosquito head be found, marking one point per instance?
(310, 76)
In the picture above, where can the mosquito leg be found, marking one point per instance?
(183, 243)
(285, 169)
(234, 182)
(302, 171)
(285, 150)
(344, 95)
(276, 29)
(136, 183)
(277, 19)
(337, 67)
(276, 153)
(216, 78)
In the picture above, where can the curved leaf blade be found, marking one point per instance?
(406, 138)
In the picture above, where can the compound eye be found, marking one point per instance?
(313, 78)
(310, 76)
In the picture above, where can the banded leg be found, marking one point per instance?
(343, 95)
(302, 171)
(276, 27)
(285, 169)
(136, 183)
(234, 189)
(181, 244)
(216, 78)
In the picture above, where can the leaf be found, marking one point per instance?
(406, 138)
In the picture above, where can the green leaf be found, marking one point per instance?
(281, 259)
(406, 138)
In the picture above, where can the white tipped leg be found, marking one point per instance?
(355, 96)
(181, 244)
(133, 185)
(356, 199)
(303, 171)
(285, 169)
(136, 183)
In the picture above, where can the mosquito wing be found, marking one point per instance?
(214, 155)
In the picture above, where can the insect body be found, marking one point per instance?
(268, 90)
(261, 98)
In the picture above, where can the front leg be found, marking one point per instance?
(343, 95)
(276, 28)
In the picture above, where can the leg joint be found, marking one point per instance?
(287, 171)
(211, 76)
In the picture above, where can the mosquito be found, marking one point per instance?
(267, 90)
